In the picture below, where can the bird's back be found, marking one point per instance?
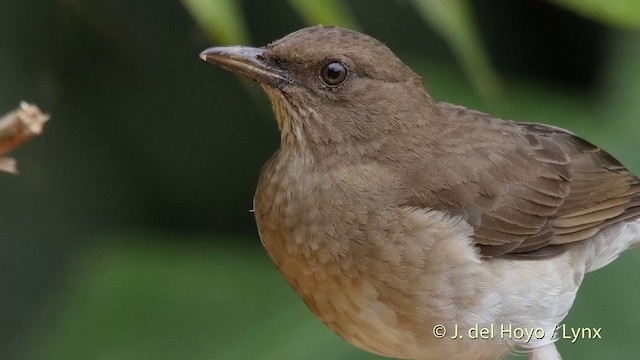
(542, 187)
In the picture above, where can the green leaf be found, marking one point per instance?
(221, 19)
(623, 13)
(157, 297)
(329, 12)
(621, 108)
(454, 21)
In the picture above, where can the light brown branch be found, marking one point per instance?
(18, 127)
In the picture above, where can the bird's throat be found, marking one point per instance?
(286, 117)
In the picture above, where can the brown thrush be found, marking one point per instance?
(405, 223)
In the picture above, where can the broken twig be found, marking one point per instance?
(18, 127)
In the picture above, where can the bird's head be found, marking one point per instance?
(328, 85)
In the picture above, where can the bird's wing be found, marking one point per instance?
(542, 186)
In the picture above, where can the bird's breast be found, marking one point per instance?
(371, 272)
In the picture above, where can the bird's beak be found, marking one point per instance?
(246, 61)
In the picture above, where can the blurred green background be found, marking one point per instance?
(128, 234)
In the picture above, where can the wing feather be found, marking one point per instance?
(543, 186)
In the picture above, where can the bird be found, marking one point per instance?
(419, 229)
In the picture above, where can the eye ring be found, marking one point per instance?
(334, 73)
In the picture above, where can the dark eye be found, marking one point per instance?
(333, 73)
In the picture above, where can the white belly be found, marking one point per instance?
(520, 305)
